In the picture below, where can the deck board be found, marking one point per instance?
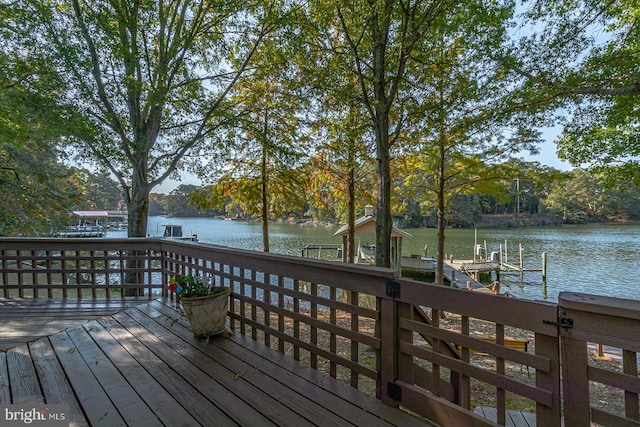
(513, 418)
(91, 395)
(213, 385)
(141, 365)
(5, 394)
(302, 406)
(22, 376)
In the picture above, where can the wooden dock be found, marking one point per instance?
(142, 366)
(458, 272)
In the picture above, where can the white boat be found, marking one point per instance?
(174, 231)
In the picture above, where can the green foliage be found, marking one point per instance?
(191, 287)
(37, 190)
(580, 61)
(318, 108)
(37, 187)
(587, 197)
(180, 203)
(151, 78)
(100, 191)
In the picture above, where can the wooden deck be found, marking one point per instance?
(26, 319)
(513, 418)
(142, 366)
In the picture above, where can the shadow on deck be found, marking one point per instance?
(142, 366)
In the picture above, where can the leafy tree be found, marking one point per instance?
(156, 204)
(152, 76)
(377, 40)
(100, 191)
(342, 165)
(341, 168)
(178, 202)
(580, 58)
(622, 202)
(37, 188)
(462, 131)
(589, 197)
(263, 151)
(575, 200)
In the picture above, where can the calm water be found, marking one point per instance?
(598, 259)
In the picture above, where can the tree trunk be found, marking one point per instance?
(138, 207)
(351, 220)
(265, 200)
(383, 206)
(441, 207)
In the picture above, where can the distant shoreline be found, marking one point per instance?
(487, 221)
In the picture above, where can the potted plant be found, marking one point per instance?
(205, 306)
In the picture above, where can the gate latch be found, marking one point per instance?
(563, 322)
(393, 289)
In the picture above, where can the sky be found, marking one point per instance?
(548, 150)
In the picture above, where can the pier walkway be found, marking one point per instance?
(458, 272)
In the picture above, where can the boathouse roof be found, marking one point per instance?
(366, 226)
(100, 214)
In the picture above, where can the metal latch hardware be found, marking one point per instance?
(393, 289)
(563, 322)
(394, 391)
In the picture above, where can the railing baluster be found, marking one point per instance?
(281, 304)
(501, 395)
(314, 330)
(630, 367)
(5, 274)
(20, 275)
(266, 298)
(407, 370)
(296, 322)
(355, 327)
(465, 381)
(332, 336)
(254, 309)
(34, 274)
(49, 267)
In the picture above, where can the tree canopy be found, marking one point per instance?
(151, 77)
(36, 185)
(579, 60)
(422, 104)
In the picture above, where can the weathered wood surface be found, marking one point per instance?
(27, 319)
(142, 366)
(513, 419)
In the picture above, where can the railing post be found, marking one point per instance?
(387, 361)
(549, 347)
(575, 382)
(612, 322)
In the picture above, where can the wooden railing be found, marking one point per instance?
(319, 312)
(612, 322)
(439, 328)
(62, 268)
(437, 351)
